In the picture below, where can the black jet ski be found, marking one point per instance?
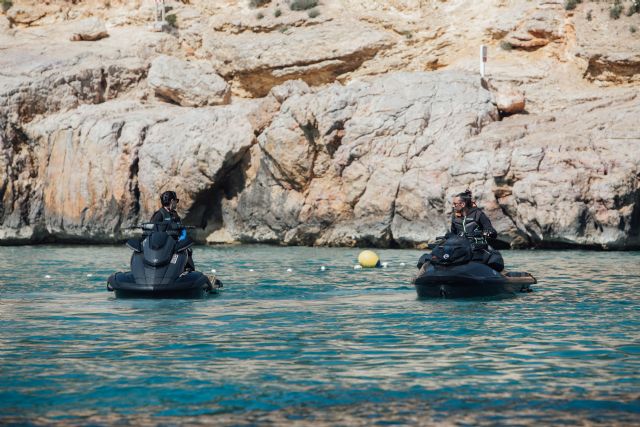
(461, 267)
(158, 267)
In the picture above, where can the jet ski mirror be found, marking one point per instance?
(135, 245)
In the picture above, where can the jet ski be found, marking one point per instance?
(158, 267)
(464, 267)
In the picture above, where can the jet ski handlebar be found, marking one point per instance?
(168, 227)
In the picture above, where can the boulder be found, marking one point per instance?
(538, 29)
(508, 98)
(187, 83)
(89, 29)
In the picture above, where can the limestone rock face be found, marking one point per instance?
(540, 28)
(5, 25)
(88, 173)
(615, 68)
(352, 127)
(334, 167)
(315, 54)
(539, 191)
(90, 29)
(190, 84)
(25, 15)
(369, 164)
(64, 75)
(603, 64)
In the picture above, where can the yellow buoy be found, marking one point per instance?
(368, 259)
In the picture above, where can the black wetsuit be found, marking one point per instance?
(474, 220)
(165, 215)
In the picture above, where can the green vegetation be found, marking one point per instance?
(259, 15)
(313, 13)
(172, 19)
(633, 29)
(505, 45)
(570, 4)
(284, 29)
(258, 3)
(6, 5)
(634, 8)
(616, 10)
(589, 17)
(302, 4)
(277, 13)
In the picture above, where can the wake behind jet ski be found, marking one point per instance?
(465, 266)
(158, 266)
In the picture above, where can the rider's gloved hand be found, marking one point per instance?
(183, 234)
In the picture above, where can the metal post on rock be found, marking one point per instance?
(483, 59)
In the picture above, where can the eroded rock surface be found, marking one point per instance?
(315, 54)
(88, 173)
(351, 127)
(190, 84)
(543, 26)
(90, 29)
(339, 166)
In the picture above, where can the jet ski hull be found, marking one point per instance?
(469, 280)
(189, 285)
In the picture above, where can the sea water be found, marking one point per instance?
(300, 336)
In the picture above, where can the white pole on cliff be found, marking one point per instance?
(483, 59)
(160, 8)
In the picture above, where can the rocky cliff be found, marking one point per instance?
(351, 122)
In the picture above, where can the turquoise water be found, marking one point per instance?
(339, 346)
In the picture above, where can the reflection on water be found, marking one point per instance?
(316, 346)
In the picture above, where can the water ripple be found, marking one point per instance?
(302, 346)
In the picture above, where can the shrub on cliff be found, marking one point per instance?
(6, 5)
(258, 3)
(505, 45)
(616, 9)
(313, 13)
(302, 4)
(171, 19)
(570, 4)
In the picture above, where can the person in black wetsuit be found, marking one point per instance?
(468, 218)
(470, 221)
(167, 213)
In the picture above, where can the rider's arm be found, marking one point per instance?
(486, 226)
(157, 217)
